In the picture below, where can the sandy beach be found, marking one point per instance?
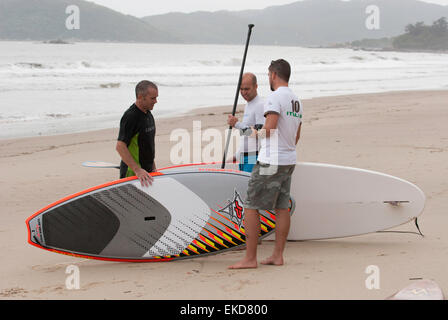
(403, 134)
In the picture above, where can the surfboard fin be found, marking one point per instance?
(418, 228)
(411, 232)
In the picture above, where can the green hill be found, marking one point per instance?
(46, 20)
(308, 22)
(302, 23)
(424, 37)
(417, 37)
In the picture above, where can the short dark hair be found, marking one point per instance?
(143, 86)
(281, 68)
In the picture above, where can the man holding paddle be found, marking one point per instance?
(253, 117)
(270, 182)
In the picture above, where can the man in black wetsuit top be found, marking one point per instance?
(136, 144)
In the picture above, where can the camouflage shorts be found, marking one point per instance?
(269, 187)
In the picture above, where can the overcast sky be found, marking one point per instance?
(141, 8)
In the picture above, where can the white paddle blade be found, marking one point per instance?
(100, 164)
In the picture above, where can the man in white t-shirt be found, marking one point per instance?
(270, 182)
(253, 118)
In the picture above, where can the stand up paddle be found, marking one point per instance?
(108, 165)
(237, 94)
(100, 164)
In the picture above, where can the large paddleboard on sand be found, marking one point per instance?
(182, 215)
(334, 201)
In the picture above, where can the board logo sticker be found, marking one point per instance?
(37, 232)
(235, 209)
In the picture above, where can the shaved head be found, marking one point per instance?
(251, 77)
(249, 86)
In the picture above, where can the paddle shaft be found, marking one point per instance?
(237, 95)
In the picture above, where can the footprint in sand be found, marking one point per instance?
(238, 285)
(13, 292)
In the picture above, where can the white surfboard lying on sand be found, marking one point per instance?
(420, 290)
(334, 201)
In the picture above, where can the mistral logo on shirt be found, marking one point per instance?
(295, 110)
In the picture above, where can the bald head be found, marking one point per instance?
(250, 77)
(249, 86)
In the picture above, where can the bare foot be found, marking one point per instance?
(245, 264)
(273, 261)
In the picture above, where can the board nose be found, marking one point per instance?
(84, 225)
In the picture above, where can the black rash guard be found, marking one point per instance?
(138, 131)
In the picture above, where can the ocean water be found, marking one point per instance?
(48, 89)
